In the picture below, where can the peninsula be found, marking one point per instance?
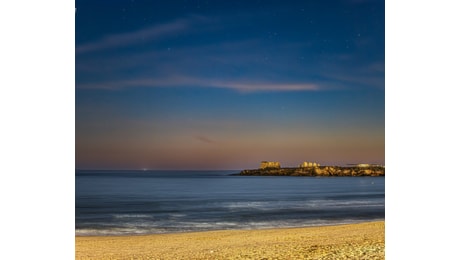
(315, 169)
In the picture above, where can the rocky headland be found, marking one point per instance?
(317, 171)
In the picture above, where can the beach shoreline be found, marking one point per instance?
(348, 241)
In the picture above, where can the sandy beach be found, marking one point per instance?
(354, 241)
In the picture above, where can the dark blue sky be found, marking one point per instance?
(226, 84)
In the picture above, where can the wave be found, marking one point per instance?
(318, 204)
(188, 226)
(121, 216)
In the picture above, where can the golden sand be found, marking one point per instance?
(355, 241)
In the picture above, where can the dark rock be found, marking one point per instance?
(317, 171)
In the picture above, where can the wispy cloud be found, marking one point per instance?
(366, 74)
(204, 139)
(207, 60)
(265, 86)
(128, 38)
(240, 86)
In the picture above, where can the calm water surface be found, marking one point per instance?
(144, 202)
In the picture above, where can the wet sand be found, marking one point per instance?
(354, 241)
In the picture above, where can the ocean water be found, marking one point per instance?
(148, 202)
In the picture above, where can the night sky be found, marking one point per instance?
(227, 84)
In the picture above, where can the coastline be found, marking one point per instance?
(357, 241)
(318, 171)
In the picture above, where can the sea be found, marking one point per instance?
(110, 203)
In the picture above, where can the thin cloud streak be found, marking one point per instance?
(124, 39)
(244, 87)
(204, 139)
(260, 87)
